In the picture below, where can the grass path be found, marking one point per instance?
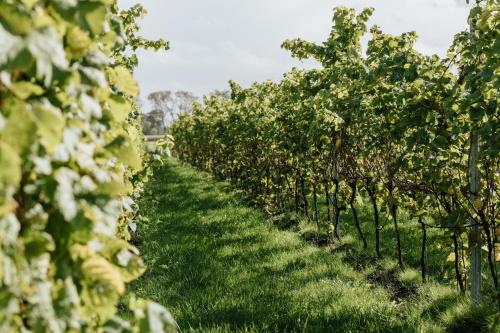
(219, 266)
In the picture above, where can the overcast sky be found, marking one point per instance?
(214, 41)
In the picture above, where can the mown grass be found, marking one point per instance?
(221, 266)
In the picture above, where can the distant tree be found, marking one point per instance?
(162, 101)
(153, 123)
(167, 106)
(220, 93)
(183, 102)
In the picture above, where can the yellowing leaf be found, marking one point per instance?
(50, 126)
(99, 269)
(393, 44)
(77, 39)
(478, 204)
(120, 109)
(10, 165)
(129, 156)
(99, 301)
(18, 21)
(101, 94)
(94, 14)
(43, 19)
(122, 79)
(29, 3)
(115, 188)
(25, 89)
(20, 130)
(126, 153)
(419, 83)
(129, 263)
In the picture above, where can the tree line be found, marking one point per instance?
(166, 108)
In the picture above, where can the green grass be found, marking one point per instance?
(221, 266)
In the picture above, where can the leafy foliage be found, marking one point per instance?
(396, 124)
(70, 165)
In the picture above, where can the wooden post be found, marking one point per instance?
(475, 233)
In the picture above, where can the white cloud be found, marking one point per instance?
(213, 41)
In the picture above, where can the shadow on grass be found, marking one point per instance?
(220, 266)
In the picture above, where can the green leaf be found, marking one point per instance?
(94, 14)
(496, 46)
(37, 243)
(18, 22)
